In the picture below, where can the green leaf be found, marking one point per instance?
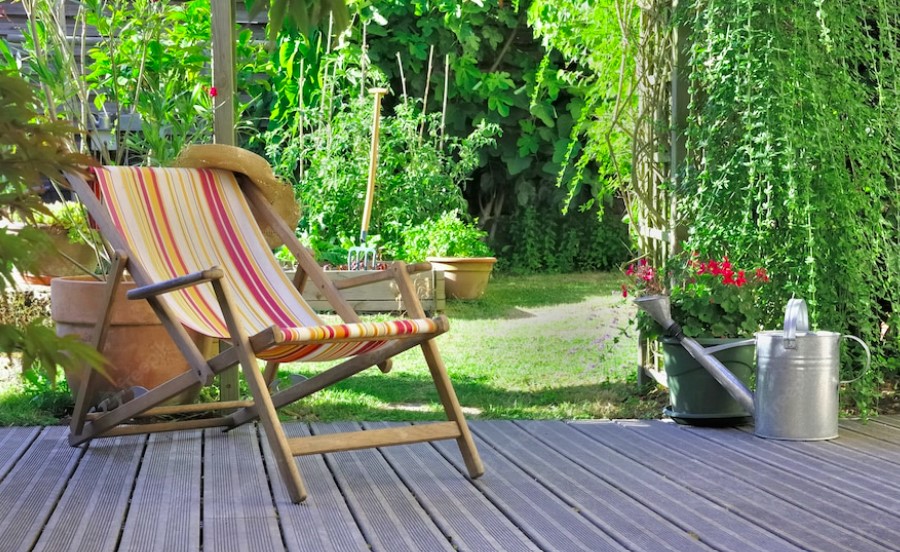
(545, 113)
(517, 164)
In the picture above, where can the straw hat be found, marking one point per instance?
(257, 169)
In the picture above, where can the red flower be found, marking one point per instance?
(624, 290)
(630, 270)
(762, 275)
(726, 264)
(213, 92)
(741, 279)
(728, 278)
(642, 262)
(713, 268)
(701, 268)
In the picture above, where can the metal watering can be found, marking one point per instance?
(796, 376)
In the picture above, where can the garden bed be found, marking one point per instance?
(381, 296)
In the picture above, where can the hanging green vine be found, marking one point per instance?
(793, 139)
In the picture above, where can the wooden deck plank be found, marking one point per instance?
(855, 436)
(238, 513)
(456, 506)
(628, 521)
(834, 506)
(324, 522)
(888, 433)
(593, 485)
(29, 493)
(845, 456)
(165, 504)
(892, 421)
(672, 503)
(541, 515)
(743, 485)
(809, 461)
(94, 503)
(14, 441)
(387, 513)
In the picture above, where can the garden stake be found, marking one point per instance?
(362, 256)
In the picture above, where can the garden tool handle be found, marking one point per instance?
(373, 162)
(796, 319)
(868, 357)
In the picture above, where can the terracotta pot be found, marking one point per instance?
(464, 277)
(138, 347)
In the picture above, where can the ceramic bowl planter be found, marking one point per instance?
(464, 277)
(138, 347)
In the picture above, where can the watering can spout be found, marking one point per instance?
(659, 308)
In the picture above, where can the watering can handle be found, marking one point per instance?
(796, 320)
(868, 357)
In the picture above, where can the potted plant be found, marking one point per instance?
(457, 248)
(717, 304)
(71, 243)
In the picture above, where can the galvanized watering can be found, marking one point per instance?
(797, 377)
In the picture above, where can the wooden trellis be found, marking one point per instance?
(658, 145)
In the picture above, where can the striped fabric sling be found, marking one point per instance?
(179, 221)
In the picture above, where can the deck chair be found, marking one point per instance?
(191, 241)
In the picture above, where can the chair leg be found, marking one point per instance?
(271, 372)
(454, 411)
(98, 341)
(287, 466)
(268, 416)
(439, 375)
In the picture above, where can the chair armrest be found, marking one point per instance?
(180, 282)
(378, 276)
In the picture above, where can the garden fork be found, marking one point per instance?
(363, 256)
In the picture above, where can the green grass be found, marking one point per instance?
(534, 347)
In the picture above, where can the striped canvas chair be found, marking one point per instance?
(191, 240)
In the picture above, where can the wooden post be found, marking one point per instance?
(679, 120)
(223, 38)
(223, 56)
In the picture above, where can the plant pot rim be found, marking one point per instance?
(702, 340)
(461, 260)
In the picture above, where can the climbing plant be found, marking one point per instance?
(794, 159)
(618, 53)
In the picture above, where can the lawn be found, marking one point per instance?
(540, 346)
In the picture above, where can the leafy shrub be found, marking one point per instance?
(541, 239)
(420, 174)
(69, 215)
(29, 149)
(149, 68)
(448, 236)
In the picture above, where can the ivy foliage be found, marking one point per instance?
(794, 159)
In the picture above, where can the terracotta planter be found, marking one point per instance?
(464, 277)
(138, 347)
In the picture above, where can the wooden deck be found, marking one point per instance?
(621, 485)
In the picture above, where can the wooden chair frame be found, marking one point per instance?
(119, 421)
